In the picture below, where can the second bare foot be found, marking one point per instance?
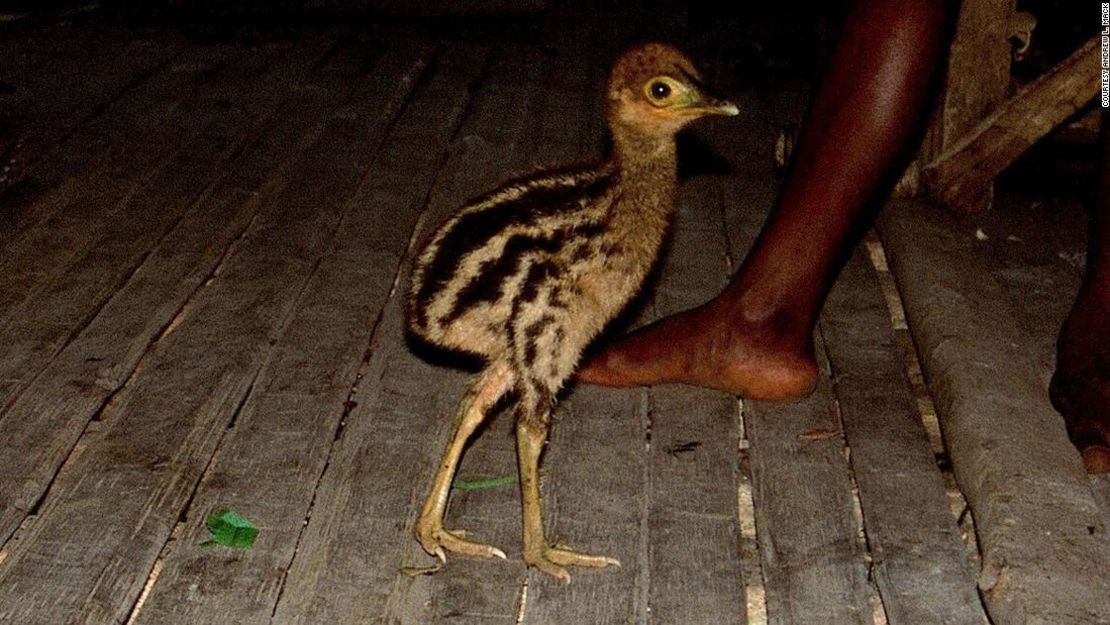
(1080, 387)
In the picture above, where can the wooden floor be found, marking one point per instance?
(202, 248)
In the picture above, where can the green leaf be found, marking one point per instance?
(230, 530)
(491, 483)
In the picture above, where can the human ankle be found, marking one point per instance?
(774, 321)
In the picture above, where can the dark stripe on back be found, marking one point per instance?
(474, 230)
(557, 345)
(531, 335)
(582, 251)
(485, 287)
(538, 273)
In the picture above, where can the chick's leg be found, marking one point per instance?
(473, 409)
(531, 433)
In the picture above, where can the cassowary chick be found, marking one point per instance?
(527, 276)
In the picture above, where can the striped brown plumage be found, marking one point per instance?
(528, 275)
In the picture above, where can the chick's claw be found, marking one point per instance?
(567, 557)
(437, 541)
(552, 561)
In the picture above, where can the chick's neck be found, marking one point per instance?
(646, 163)
(639, 218)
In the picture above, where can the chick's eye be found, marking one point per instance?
(660, 90)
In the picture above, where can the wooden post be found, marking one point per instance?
(976, 81)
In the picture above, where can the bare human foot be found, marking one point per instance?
(1080, 387)
(707, 346)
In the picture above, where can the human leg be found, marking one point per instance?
(755, 338)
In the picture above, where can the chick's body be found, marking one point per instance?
(532, 273)
(527, 276)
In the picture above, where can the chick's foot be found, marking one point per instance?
(437, 541)
(552, 560)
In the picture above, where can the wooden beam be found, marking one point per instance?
(1040, 531)
(963, 175)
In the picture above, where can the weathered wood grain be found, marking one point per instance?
(106, 166)
(911, 534)
(348, 555)
(1039, 528)
(594, 499)
(52, 214)
(78, 260)
(1100, 484)
(112, 508)
(268, 465)
(98, 65)
(814, 568)
(693, 531)
(241, 402)
(1034, 251)
(46, 420)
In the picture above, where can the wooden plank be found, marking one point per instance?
(58, 402)
(1100, 484)
(78, 72)
(918, 560)
(95, 152)
(86, 260)
(814, 568)
(85, 178)
(98, 172)
(112, 508)
(1033, 250)
(348, 556)
(693, 531)
(91, 67)
(24, 58)
(963, 174)
(1038, 525)
(269, 463)
(595, 499)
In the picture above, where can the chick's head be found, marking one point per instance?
(655, 89)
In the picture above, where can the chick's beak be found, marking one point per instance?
(701, 103)
(720, 107)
